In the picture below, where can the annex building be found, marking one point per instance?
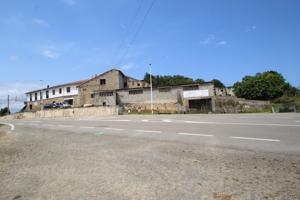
(114, 88)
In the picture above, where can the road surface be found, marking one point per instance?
(228, 156)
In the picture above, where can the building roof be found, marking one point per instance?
(97, 76)
(56, 86)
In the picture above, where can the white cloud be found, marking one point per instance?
(251, 28)
(208, 40)
(17, 91)
(70, 2)
(13, 57)
(40, 22)
(222, 42)
(50, 54)
(127, 66)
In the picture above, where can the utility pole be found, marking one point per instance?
(151, 88)
(8, 103)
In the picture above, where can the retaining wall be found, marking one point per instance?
(69, 112)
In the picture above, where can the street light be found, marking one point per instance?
(151, 88)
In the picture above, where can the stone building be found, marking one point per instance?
(113, 88)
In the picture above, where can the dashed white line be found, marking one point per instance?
(195, 134)
(34, 121)
(47, 125)
(148, 131)
(257, 139)
(87, 127)
(245, 124)
(114, 129)
(167, 120)
(145, 120)
(65, 126)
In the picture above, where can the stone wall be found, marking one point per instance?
(165, 100)
(70, 112)
(238, 105)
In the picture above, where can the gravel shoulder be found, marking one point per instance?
(43, 164)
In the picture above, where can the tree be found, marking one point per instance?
(199, 81)
(217, 83)
(4, 111)
(263, 86)
(159, 81)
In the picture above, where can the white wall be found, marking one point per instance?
(73, 91)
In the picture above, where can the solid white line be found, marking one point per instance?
(116, 120)
(114, 129)
(194, 134)
(66, 126)
(147, 131)
(12, 127)
(258, 139)
(91, 127)
(245, 124)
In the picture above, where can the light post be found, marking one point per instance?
(151, 88)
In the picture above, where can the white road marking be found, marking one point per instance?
(244, 124)
(114, 129)
(145, 120)
(65, 126)
(12, 127)
(258, 139)
(34, 121)
(88, 127)
(147, 131)
(167, 120)
(47, 125)
(194, 134)
(33, 124)
(116, 120)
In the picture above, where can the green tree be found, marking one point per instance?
(4, 111)
(159, 81)
(199, 81)
(263, 86)
(217, 83)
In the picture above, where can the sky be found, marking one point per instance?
(59, 41)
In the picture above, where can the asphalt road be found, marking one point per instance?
(229, 156)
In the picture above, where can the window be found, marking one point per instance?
(53, 92)
(68, 89)
(60, 90)
(41, 95)
(138, 84)
(30, 107)
(104, 103)
(30, 97)
(47, 94)
(134, 92)
(35, 96)
(102, 81)
(92, 96)
(105, 94)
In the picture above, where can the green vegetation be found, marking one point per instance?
(268, 85)
(161, 81)
(4, 111)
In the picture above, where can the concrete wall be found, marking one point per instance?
(70, 112)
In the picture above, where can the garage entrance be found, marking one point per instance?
(200, 105)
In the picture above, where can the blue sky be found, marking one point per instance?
(59, 41)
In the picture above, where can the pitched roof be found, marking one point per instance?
(61, 85)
